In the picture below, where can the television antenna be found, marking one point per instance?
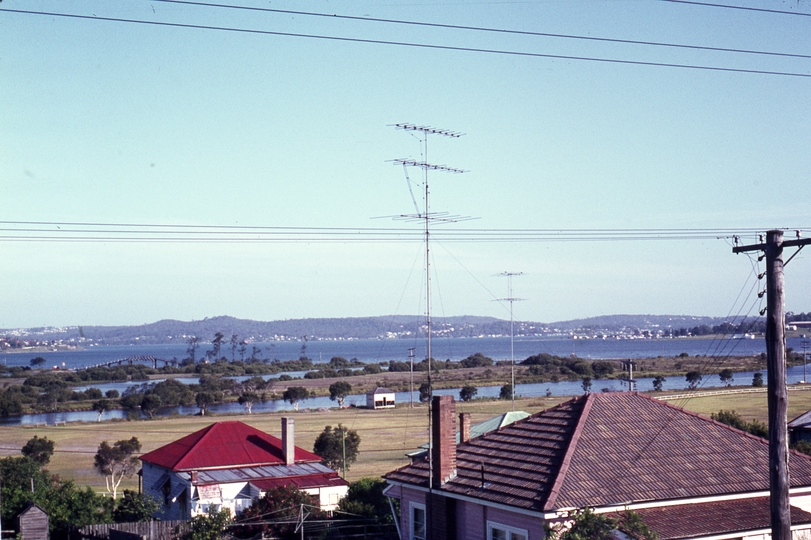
(427, 217)
(511, 299)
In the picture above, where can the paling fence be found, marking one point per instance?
(151, 530)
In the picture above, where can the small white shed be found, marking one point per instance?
(380, 398)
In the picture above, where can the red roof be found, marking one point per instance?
(224, 445)
(608, 449)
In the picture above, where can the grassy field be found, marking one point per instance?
(386, 435)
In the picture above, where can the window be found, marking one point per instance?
(497, 531)
(418, 521)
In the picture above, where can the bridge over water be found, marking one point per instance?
(152, 360)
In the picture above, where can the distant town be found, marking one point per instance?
(612, 327)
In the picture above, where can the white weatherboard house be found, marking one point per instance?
(228, 465)
(380, 398)
(686, 476)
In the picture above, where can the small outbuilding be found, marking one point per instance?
(33, 523)
(380, 398)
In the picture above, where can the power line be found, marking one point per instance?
(743, 8)
(485, 29)
(418, 45)
(41, 231)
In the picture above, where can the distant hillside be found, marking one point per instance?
(646, 322)
(388, 327)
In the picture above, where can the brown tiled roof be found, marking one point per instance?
(516, 465)
(722, 517)
(608, 448)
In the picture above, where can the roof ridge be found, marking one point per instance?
(206, 431)
(708, 420)
(567, 457)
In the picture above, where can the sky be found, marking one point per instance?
(289, 122)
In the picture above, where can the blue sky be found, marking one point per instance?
(109, 122)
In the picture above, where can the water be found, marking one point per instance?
(455, 349)
(383, 350)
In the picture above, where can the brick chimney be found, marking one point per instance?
(464, 427)
(443, 444)
(288, 440)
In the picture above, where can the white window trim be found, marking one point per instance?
(413, 506)
(510, 530)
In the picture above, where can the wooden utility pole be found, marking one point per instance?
(776, 365)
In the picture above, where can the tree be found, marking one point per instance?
(693, 379)
(100, 406)
(247, 400)
(339, 390)
(117, 462)
(191, 350)
(732, 418)
(586, 526)
(39, 450)
(506, 392)
(66, 504)
(38, 361)
(333, 444)
(757, 380)
(586, 384)
(217, 345)
(658, 381)
(135, 506)
(295, 394)
(204, 400)
(425, 392)
(468, 392)
(283, 504)
(234, 342)
(209, 526)
(365, 497)
(111, 394)
(151, 403)
(726, 376)
(476, 360)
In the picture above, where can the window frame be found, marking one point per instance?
(411, 511)
(507, 529)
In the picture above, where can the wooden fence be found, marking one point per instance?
(151, 530)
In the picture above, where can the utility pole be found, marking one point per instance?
(776, 364)
(805, 357)
(629, 366)
(510, 299)
(411, 362)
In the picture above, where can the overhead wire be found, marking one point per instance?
(335, 16)
(455, 48)
(742, 8)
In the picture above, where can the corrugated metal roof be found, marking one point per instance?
(608, 448)
(251, 474)
(223, 444)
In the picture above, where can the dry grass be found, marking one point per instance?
(386, 435)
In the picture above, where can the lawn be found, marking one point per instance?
(386, 435)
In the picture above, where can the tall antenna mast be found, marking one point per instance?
(427, 218)
(511, 299)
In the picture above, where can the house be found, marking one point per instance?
(380, 398)
(228, 465)
(799, 429)
(687, 476)
(33, 523)
(476, 430)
